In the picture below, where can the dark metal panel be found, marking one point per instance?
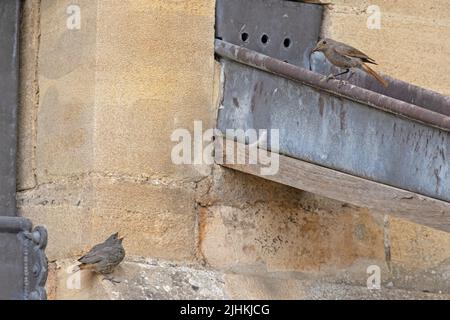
(23, 265)
(330, 129)
(290, 28)
(9, 33)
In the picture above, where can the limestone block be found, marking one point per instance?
(155, 71)
(283, 239)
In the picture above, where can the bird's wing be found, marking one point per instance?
(349, 51)
(97, 255)
(95, 250)
(90, 258)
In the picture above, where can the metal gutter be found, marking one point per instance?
(336, 87)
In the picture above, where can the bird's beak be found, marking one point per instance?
(121, 238)
(315, 49)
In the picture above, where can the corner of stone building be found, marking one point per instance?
(28, 95)
(96, 121)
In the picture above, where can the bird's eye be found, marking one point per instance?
(324, 42)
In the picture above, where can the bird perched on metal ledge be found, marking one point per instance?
(104, 257)
(347, 57)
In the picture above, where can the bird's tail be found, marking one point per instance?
(374, 74)
(80, 267)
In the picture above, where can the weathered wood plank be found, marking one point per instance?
(347, 188)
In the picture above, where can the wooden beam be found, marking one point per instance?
(343, 187)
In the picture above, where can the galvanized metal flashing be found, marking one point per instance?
(397, 89)
(340, 88)
(284, 30)
(336, 124)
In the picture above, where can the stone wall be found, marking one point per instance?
(95, 148)
(99, 104)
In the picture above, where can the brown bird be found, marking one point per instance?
(104, 257)
(347, 57)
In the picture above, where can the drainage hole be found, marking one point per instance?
(265, 39)
(287, 42)
(245, 37)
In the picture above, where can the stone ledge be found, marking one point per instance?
(148, 279)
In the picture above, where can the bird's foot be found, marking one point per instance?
(112, 280)
(328, 78)
(75, 269)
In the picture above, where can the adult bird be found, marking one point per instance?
(347, 57)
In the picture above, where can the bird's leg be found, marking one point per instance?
(351, 75)
(333, 76)
(342, 73)
(111, 279)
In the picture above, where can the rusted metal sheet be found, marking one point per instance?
(285, 30)
(338, 125)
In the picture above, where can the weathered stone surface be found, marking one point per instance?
(158, 220)
(155, 69)
(417, 247)
(281, 239)
(110, 95)
(252, 222)
(141, 279)
(146, 279)
(65, 117)
(28, 95)
(69, 228)
(420, 256)
(261, 288)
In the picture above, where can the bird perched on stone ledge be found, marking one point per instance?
(104, 257)
(346, 57)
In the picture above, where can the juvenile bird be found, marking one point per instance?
(347, 57)
(104, 257)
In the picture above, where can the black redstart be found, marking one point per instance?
(347, 57)
(104, 257)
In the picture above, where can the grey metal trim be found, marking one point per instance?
(23, 264)
(9, 66)
(283, 23)
(397, 89)
(343, 89)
